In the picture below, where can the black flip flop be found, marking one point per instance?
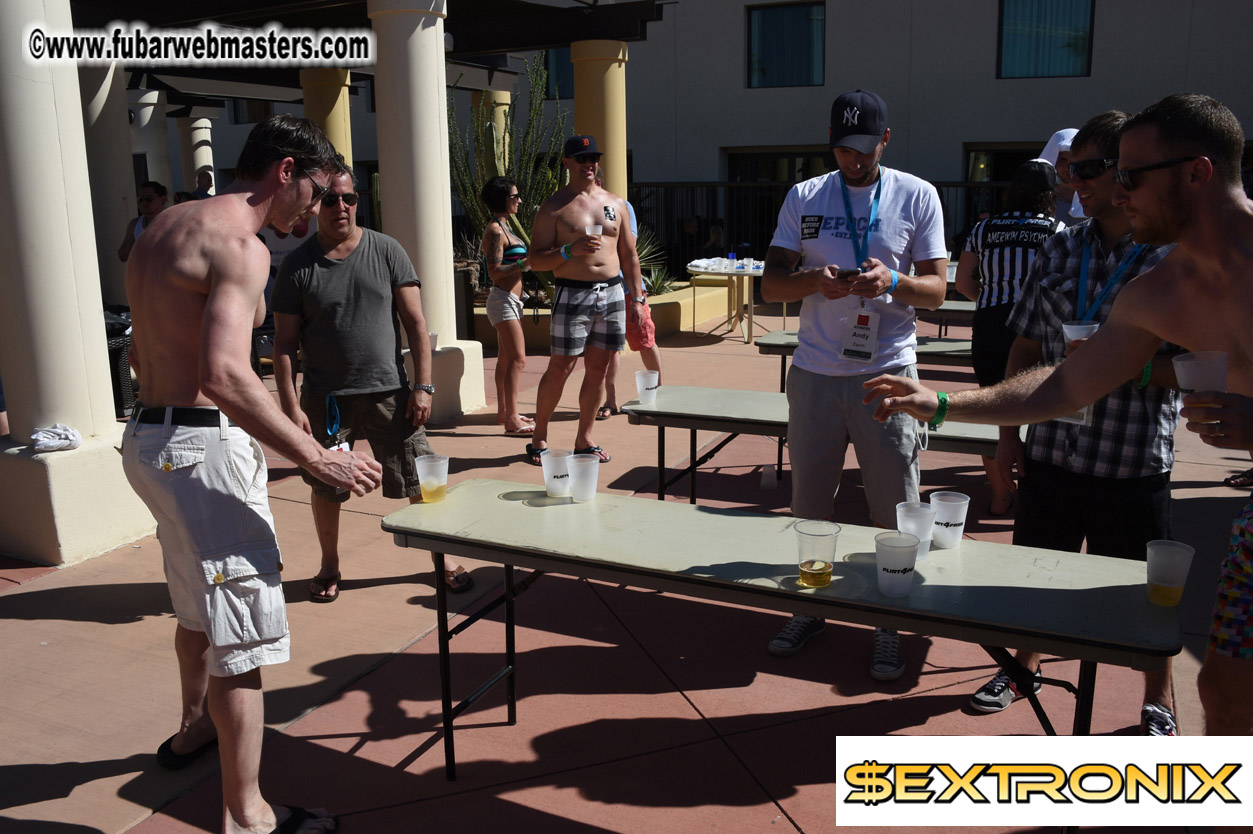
(1240, 480)
(168, 759)
(325, 581)
(297, 818)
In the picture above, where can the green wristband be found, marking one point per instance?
(941, 411)
(566, 252)
(1144, 377)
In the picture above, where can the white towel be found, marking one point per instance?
(55, 438)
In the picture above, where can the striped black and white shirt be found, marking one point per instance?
(1005, 246)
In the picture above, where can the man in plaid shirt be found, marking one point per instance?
(1102, 474)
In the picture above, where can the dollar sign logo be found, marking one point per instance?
(871, 778)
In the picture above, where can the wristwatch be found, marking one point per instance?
(430, 389)
(640, 299)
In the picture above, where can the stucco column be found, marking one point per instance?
(150, 134)
(416, 192)
(326, 103)
(195, 142)
(600, 104)
(103, 91)
(65, 505)
(498, 101)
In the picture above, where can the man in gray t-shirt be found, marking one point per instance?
(341, 299)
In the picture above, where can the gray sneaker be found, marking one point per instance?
(791, 639)
(1157, 720)
(998, 693)
(887, 663)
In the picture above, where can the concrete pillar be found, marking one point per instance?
(150, 134)
(112, 186)
(416, 193)
(494, 165)
(326, 103)
(55, 507)
(195, 142)
(600, 104)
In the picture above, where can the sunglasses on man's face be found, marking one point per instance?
(1090, 169)
(331, 199)
(1126, 177)
(319, 191)
(584, 158)
(515, 196)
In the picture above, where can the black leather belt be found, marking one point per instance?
(182, 416)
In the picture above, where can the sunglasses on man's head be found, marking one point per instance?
(1126, 177)
(331, 199)
(1090, 169)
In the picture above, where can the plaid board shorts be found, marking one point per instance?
(1231, 632)
(594, 315)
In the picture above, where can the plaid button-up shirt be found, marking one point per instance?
(1132, 430)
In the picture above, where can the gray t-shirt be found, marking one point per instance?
(349, 327)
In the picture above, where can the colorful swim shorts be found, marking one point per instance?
(1231, 632)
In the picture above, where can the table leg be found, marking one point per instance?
(661, 463)
(1083, 699)
(445, 666)
(748, 300)
(692, 476)
(511, 691)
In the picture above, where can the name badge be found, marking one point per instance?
(861, 336)
(1082, 417)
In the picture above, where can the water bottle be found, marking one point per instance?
(732, 263)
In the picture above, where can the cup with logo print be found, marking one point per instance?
(895, 554)
(950, 518)
(556, 472)
(646, 384)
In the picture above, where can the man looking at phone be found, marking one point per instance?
(859, 230)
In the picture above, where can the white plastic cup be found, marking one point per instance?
(1205, 370)
(950, 518)
(1076, 330)
(555, 463)
(894, 555)
(584, 475)
(434, 341)
(646, 383)
(1168, 564)
(918, 519)
(593, 230)
(815, 551)
(433, 477)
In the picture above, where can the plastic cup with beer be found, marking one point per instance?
(1168, 564)
(1205, 370)
(594, 230)
(556, 472)
(584, 475)
(815, 551)
(950, 518)
(433, 477)
(894, 555)
(917, 518)
(646, 383)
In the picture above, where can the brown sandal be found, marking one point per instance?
(322, 584)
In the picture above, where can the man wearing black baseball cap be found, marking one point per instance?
(582, 233)
(860, 229)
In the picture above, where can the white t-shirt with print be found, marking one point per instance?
(908, 228)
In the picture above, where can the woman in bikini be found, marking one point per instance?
(505, 254)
